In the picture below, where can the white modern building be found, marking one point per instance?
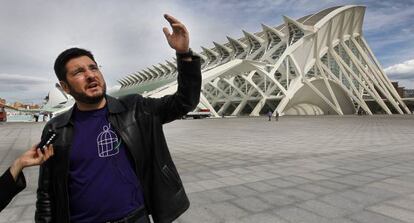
(57, 101)
(317, 64)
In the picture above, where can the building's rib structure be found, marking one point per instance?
(318, 64)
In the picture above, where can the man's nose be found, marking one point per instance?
(90, 73)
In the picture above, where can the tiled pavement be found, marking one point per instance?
(301, 169)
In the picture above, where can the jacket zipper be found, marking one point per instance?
(125, 138)
(66, 186)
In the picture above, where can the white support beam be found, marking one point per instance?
(357, 98)
(370, 88)
(369, 78)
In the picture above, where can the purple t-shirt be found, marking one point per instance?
(102, 182)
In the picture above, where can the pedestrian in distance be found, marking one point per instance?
(36, 117)
(269, 115)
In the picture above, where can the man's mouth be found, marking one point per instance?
(92, 85)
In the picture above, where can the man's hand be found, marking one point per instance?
(179, 39)
(31, 157)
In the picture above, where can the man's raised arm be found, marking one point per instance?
(171, 107)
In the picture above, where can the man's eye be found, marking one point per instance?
(77, 72)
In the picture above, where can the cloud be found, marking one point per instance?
(17, 79)
(126, 36)
(403, 70)
(386, 18)
(23, 87)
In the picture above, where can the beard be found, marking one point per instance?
(83, 98)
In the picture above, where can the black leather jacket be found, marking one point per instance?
(9, 187)
(138, 121)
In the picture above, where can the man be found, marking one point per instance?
(13, 181)
(269, 115)
(111, 161)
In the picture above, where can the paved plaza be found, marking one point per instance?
(351, 169)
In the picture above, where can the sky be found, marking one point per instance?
(126, 36)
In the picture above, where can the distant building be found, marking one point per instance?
(57, 101)
(409, 93)
(400, 90)
(20, 105)
(318, 64)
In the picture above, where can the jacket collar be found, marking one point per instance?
(114, 107)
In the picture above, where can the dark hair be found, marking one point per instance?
(65, 56)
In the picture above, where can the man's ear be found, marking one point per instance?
(65, 86)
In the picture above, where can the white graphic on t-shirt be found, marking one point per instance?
(108, 143)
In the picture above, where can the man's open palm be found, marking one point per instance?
(178, 39)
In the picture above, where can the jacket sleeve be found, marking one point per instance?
(44, 193)
(187, 96)
(10, 187)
